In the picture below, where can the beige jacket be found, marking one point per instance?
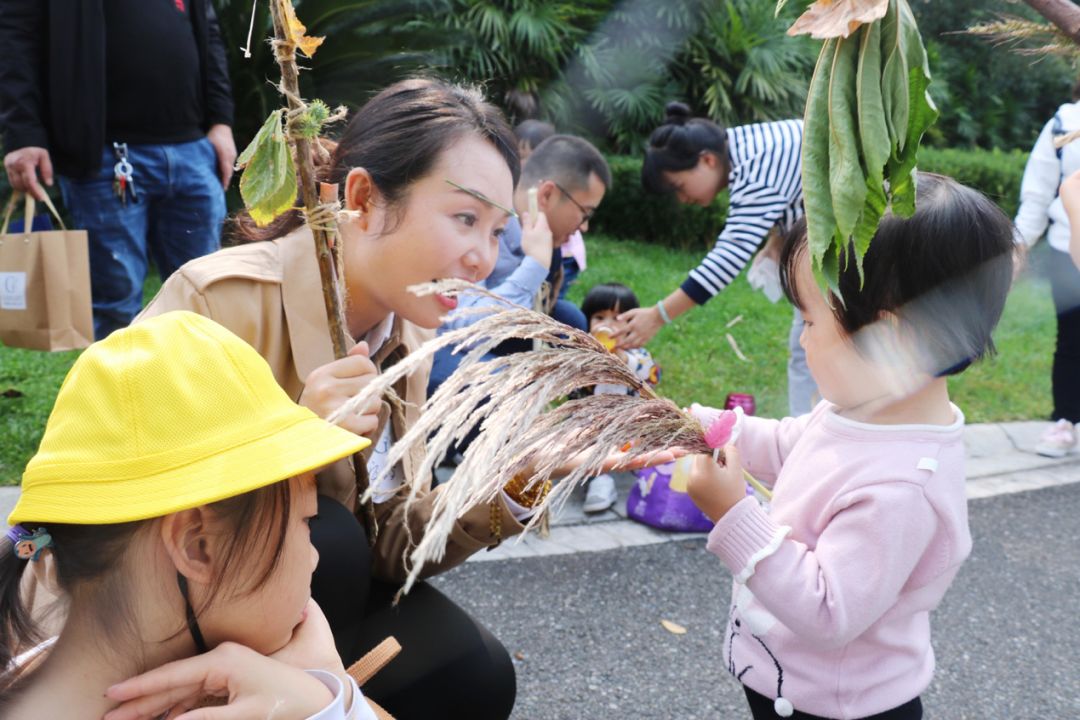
(269, 294)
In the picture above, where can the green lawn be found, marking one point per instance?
(699, 364)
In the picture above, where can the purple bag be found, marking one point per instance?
(659, 499)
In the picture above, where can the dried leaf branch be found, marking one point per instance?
(511, 398)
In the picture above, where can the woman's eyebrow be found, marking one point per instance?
(481, 197)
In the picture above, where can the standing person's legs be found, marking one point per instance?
(802, 390)
(186, 218)
(117, 243)
(1065, 286)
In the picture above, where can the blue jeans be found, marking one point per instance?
(177, 217)
(802, 389)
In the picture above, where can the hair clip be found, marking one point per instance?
(27, 545)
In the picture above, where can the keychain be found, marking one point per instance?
(123, 182)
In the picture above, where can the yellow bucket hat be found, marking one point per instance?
(166, 415)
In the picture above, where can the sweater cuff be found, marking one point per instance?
(745, 536)
(695, 290)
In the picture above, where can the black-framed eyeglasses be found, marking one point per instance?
(586, 214)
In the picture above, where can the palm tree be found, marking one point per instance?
(369, 44)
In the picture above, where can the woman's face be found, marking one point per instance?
(264, 618)
(440, 231)
(700, 184)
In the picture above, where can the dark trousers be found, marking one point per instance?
(449, 666)
(1065, 287)
(762, 709)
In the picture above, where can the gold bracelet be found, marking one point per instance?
(496, 522)
(527, 497)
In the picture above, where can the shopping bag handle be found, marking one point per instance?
(28, 223)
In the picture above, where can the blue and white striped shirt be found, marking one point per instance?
(766, 189)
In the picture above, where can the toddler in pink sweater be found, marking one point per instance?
(834, 582)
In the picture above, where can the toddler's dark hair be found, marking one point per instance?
(677, 144)
(944, 272)
(608, 296)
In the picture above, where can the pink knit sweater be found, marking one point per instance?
(834, 583)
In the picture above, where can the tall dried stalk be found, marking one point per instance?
(512, 399)
(1026, 37)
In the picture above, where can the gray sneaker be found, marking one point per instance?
(601, 494)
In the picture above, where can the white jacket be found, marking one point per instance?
(1046, 168)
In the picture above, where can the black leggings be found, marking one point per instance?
(762, 709)
(1065, 286)
(449, 666)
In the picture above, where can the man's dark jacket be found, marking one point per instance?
(52, 78)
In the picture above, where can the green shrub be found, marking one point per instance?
(628, 212)
(994, 173)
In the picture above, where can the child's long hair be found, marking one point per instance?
(89, 559)
(608, 296)
(944, 273)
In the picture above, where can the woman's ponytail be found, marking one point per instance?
(17, 629)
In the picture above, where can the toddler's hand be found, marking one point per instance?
(716, 488)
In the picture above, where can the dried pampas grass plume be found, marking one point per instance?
(512, 399)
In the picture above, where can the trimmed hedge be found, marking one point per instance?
(994, 173)
(629, 212)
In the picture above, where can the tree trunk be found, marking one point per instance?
(1063, 13)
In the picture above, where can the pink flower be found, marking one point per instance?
(722, 427)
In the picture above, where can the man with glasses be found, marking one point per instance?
(570, 177)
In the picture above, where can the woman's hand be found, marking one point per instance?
(640, 325)
(254, 686)
(716, 488)
(328, 387)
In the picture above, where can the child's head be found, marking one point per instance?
(933, 289)
(172, 458)
(531, 133)
(603, 303)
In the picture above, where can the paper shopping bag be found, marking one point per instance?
(44, 285)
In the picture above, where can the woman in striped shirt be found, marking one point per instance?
(695, 159)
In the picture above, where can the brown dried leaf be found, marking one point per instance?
(296, 30)
(837, 18)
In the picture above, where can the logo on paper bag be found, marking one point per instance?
(12, 291)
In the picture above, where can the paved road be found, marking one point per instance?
(587, 625)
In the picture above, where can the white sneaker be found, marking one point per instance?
(1058, 441)
(601, 494)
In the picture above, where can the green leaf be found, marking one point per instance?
(817, 198)
(894, 75)
(847, 180)
(268, 185)
(873, 130)
(901, 168)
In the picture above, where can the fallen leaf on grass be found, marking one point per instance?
(11, 393)
(673, 628)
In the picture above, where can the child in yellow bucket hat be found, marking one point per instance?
(169, 506)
